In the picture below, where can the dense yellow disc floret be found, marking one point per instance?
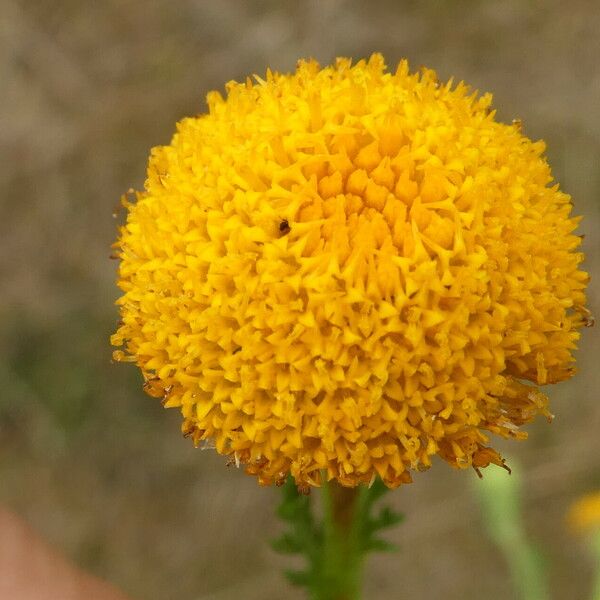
(346, 271)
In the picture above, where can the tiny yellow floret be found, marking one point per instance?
(346, 271)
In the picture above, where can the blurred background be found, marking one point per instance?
(100, 469)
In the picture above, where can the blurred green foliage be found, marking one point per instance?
(501, 502)
(100, 469)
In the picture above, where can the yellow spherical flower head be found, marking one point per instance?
(584, 514)
(346, 271)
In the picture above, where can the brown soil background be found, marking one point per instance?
(99, 468)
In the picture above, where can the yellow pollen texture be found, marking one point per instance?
(342, 272)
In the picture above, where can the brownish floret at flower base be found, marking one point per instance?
(346, 271)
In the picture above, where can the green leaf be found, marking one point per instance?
(387, 518)
(376, 491)
(369, 525)
(378, 545)
(299, 578)
(287, 544)
(303, 535)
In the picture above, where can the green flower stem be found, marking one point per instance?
(342, 553)
(500, 496)
(335, 546)
(526, 568)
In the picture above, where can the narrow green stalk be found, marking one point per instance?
(342, 554)
(526, 566)
(500, 497)
(335, 547)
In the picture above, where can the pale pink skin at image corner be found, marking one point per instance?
(31, 570)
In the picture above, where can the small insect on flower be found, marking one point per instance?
(432, 283)
(284, 226)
